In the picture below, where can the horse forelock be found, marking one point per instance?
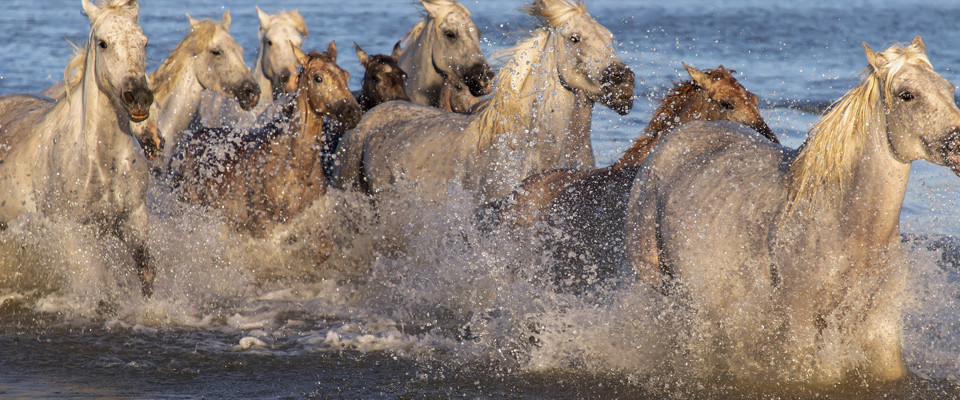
(835, 141)
(555, 13)
(290, 18)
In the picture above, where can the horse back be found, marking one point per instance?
(706, 198)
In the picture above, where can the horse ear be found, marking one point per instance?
(430, 7)
(193, 22)
(397, 49)
(301, 56)
(90, 9)
(362, 55)
(332, 50)
(225, 20)
(918, 42)
(263, 17)
(698, 76)
(873, 58)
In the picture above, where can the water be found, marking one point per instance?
(461, 315)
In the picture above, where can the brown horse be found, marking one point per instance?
(588, 205)
(383, 79)
(262, 178)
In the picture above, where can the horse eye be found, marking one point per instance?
(269, 42)
(102, 44)
(318, 79)
(726, 105)
(575, 38)
(905, 96)
(450, 34)
(216, 52)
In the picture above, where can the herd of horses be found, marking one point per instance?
(706, 206)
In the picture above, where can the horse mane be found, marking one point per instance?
(444, 8)
(836, 140)
(663, 117)
(196, 41)
(555, 13)
(503, 115)
(73, 73)
(292, 18)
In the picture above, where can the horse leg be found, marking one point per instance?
(882, 336)
(643, 233)
(133, 233)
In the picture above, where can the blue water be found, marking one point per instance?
(398, 332)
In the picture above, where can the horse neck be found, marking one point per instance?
(178, 101)
(266, 87)
(677, 108)
(423, 81)
(303, 136)
(866, 204)
(556, 120)
(873, 196)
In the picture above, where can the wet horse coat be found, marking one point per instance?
(78, 159)
(797, 253)
(516, 134)
(262, 178)
(585, 210)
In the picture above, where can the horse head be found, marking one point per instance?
(277, 61)
(923, 121)
(588, 62)
(457, 45)
(324, 84)
(383, 79)
(218, 61)
(116, 48)
(722, 97)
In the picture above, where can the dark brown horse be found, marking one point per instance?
(383, 79)
(589, 205)
(265, 177)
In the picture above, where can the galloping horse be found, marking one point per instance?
(207, 58)
(545, 94)
(262, 178)
(586, 209)
(800, 249)
(78, 160)
(443, 42)
(383, 79)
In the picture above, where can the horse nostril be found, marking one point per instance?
(284, 76)
(128, 97)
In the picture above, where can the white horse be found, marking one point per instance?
(444, 42)
(272, 71)
(208, 58)
(544, 95)
(78, 159)
(798, 250)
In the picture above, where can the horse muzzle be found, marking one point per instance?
(137, 98)
(950, 150)
(478, 79)
(247, 94)
(763, 129)
(346, 111)
(617, 83)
